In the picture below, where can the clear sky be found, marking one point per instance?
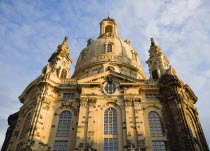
(30, 31)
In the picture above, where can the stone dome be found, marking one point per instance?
(108, 52)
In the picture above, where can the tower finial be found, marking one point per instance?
(65, 39)
(108, 16)
(152, 42)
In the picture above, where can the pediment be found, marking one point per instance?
(100, 78)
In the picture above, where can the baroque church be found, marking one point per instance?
(108, 104)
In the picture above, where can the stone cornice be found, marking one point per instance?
(142, 83)
(106, 74)
(41, 80)
(84, 65)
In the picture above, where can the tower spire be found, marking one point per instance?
(59, 62)
(152, 42)
(157, 62)
(154, 49)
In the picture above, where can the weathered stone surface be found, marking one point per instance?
(108, 81)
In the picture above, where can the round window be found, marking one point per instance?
(110, 88)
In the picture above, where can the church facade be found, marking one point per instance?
(108, 104)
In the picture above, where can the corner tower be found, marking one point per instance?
(182, 125)
(59, 62)
(158, 63)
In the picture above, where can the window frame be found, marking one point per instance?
(161, 144)
(64, 124)
(61, 141)
(110, 130)
(110, 88)
(151, 96)
(68, 95)
(155, 125)
(111, 144)
(109, 48)
(110, 113)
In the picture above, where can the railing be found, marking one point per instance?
(151, 82)
(142, 82)
(69, 81)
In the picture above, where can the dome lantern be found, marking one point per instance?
(108, 27)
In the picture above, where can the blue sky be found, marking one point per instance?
(30, 32)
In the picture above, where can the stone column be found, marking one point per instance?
(82, 125)
(91, 121)
(131, 124)
(124, 128)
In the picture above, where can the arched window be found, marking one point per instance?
(110, 121)
(110, 88)
(110, 130)
(64, 124)
(154, 74)
(155, 124)
(63, 73)
(108, 29)
(26, 126)
(109, 48)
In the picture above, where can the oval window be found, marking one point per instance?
(110, 88)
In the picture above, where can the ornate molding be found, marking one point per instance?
(46, 105)
(131, 101)
(84, 101)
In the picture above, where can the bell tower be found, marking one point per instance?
(59, 62)
(157, 62)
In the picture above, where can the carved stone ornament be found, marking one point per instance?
(46, 105)
(91, 133)
(92, 101)
(136, 100)
(83, 102)
(109, 78)
(154, 49)
(110, 68)
(86, 100)
(184, 95)
(130, 101)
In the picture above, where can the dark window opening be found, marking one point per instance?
(154, 74)
(63, 73)
(108, 29)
